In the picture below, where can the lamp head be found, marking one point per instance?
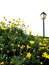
(43, 15)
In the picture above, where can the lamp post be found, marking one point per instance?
(43, 17)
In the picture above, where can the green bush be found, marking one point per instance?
(19, 48)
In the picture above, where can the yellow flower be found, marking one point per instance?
(32, 42)
(45, 55)
(22, 47)
(16, 32)
(28, 55)
(18, 20)
(47, 47)
(12, 24)
(23, 24)
(2, 63)
(44, 44)
(28, 47)
(40, 44)
(41, 48)
(30, 31)
(10, 29)
(11, 62)
(45, 39)
(3, 23)
(4, 28)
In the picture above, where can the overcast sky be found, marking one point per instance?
(29, 11)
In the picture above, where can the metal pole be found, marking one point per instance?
(43, 29)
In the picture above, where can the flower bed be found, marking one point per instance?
(19, 48)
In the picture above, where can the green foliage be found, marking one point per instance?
(19, 48)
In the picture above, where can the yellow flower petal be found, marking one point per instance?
(32, 42)
(2, 63)
(22, 47)
(28, 47)
(4, 28)
(28, 55)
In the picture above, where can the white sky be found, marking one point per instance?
(27, 10)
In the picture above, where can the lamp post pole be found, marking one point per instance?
(43, 17)
(43, 28)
